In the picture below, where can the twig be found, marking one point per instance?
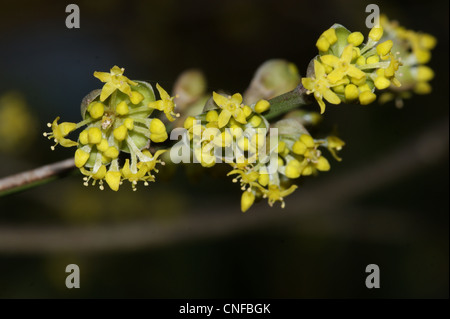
(287, 101)
(424, 151)
(31, 178)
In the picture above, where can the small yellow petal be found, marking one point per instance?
(322, 44)
(355, 38)
(382, 83)
(120, 133)
(367, 97)
(351, 92)
(103, 145)
(224, 118)
(84, 137)
(81, 157)
(96, 111)
(307, 140)
(212, 116)
(323, 164)
(262, 106)
(385, 47)
(247, 200)
(111, 152)
(122, 108)
(113, 180)
(376, 33)
(157, 127)
(94, 135)
(136, 97)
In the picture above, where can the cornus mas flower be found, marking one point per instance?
(414, 49)
(347, 69)
(296, 154)
(114, 80)
(227, 127)
(118, 120)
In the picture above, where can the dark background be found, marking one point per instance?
(401, 226)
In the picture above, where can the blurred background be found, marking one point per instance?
(184, 236)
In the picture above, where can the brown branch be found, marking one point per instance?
(321, 198)
(24, 180)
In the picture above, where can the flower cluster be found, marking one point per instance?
(228, 127)
(117, 119)
(295, 154)
(347, 69)
(265, 163)
(415, 51)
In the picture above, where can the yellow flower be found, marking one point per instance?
(134, 177)
(166, 104)
(277, 193)
(334, 144)
(320, 86)
(231, 107)
(113, 81)
(98, 174)
(342, 66)
(59, 132)
(247, 177)
(123, 124)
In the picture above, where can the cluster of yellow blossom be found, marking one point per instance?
(117, 119)
(229, 123)
(347, 69)
(266, 164)
(414, 49)
(296, 154)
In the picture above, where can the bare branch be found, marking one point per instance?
(39, 175)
